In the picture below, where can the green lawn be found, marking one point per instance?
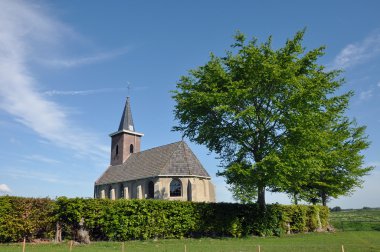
(356, 220)
(352, 241)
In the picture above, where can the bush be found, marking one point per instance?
(121, 220)
(25, 217)
(336, 209)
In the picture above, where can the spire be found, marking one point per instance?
(126, 122)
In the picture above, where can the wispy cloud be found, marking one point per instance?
(360, 52)
(43, 159)
(90, 91)
(40, 176)
(24, 28)
(378, 84)
(82, 92)
(75, 62)
(4, 188)
(366, 95)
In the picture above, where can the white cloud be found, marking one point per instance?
(91, 91)
(75, 62)
(357, 53)
(4, 188)
(27, 174)
(366, 95)
(82, 92)
(378, 84)
(42, 159)
(24, 28)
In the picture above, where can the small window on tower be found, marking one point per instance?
(131, 148)
(117, 150)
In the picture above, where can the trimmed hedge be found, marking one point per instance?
(121, 220)
(26, 217)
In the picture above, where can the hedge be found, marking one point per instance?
(26, 217)
(121, 220)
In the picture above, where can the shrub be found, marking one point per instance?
(25, 217)
(121, 220)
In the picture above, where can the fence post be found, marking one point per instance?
(23, 245)
(122, 247)
(71, 245)
(185, 248)
(258, 247)
(342, 248)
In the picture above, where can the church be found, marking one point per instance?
(170, 172)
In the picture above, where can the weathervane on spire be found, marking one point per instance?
(128, 88)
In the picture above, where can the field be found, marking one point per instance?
(356, 220)
(352, 241)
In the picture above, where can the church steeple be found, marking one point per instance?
(125, 140)
(126, 122)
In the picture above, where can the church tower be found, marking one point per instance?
(125, 140)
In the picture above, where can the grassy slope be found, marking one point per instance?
(352, 241)
(356, 220)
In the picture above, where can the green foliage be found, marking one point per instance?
(122, 220)
(273, 118)
(25, 217)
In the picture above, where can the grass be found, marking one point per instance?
(352, 241)
(356, 220)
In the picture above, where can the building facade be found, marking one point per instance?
(170, 172)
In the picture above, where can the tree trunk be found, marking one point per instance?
(261, 198)
(324, 198)
(58, 233)
(295, 199)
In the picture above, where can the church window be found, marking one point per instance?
(110, 192)
(131, 148)
(150, 190)
(175, 188)
(117, 150)
(121, 192)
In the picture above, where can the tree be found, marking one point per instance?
(342, 164)
(327, 163)
(254, 104)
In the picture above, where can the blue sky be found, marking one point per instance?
(65, 67)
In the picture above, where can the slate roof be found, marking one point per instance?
(126, 122)
(175, 159)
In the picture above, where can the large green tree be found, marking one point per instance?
(252, 104)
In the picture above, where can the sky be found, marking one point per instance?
(65, 69)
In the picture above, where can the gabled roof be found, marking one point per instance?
(126, 122)
(174, 159)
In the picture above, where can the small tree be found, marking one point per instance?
(342, 164)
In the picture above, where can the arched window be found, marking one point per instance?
(121, 191)
(117, 150)
(175, 188)
(150, 190)
(131, 148)
(110, 192)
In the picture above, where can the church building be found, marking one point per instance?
(169, 171)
